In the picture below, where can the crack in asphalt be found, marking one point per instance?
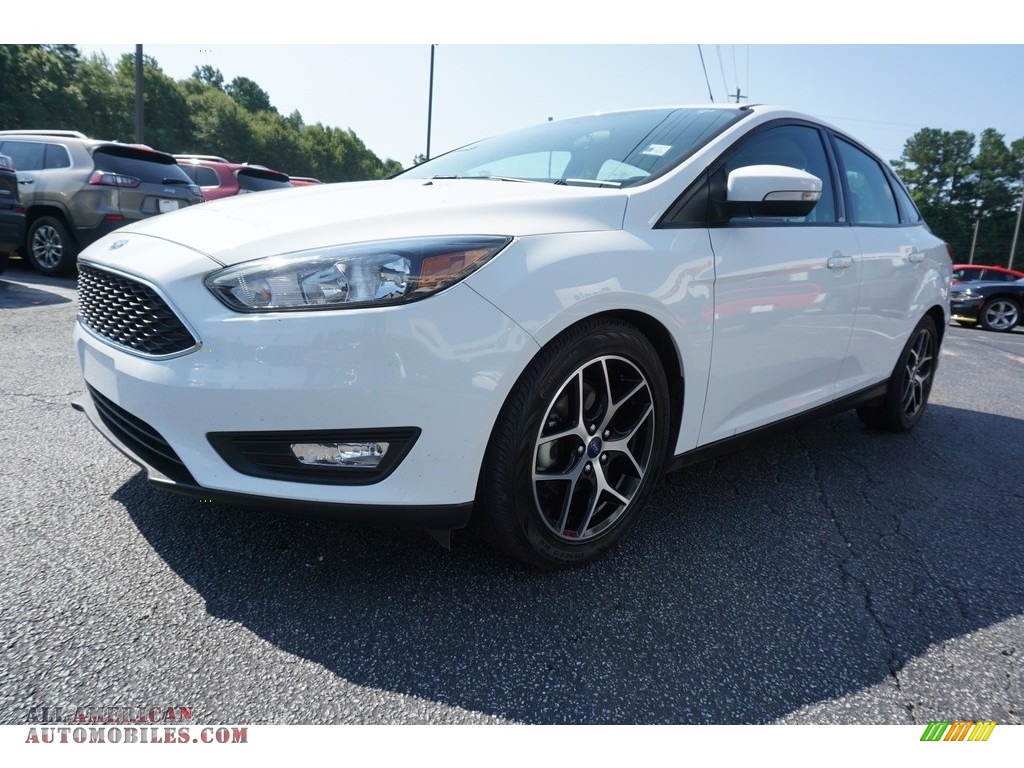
(849, 578)
(42, 399)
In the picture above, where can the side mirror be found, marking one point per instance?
(770, 190)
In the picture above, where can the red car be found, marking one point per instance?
(303, 181)
(965, 273)
(219, 178)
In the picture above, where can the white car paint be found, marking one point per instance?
(764, 322)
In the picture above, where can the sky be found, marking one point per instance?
(497, 70)
(881, 94)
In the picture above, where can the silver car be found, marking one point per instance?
(76, 190)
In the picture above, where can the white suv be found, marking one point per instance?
(524, 333)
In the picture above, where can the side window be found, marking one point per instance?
(910, 213)
(56, 157)
(207, 177)
(795, 146)
(870, 199)
(27, 155)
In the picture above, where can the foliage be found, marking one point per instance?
(958, 179)
(54, 86)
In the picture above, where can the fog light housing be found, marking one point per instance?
(333, 457)
(332, 454)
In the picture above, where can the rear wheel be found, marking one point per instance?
(577, 448)
(1000, 314)
(51, 249)
(910, 384)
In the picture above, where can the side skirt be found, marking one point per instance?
(869, 396)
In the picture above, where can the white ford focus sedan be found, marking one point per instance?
(524, 333)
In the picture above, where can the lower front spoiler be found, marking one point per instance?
(438, 517)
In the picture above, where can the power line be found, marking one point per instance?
(704, 67)
(748, 68)
(718, 48)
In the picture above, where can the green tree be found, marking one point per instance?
(954, 186)
(53, 86)
(936, 166)
(997, 176)
(165, 108)
(208, 75)
(249, 95)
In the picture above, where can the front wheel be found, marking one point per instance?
(1000, 314)
(910, 384)
(577, 448)
(51, 249)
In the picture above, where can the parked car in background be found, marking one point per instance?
(76, 189)
(995, 305)
(12, 212)
(303, 181)
(218, 178)
(523, 333)
(964, 273)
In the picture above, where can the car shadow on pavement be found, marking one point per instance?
(804, 568)
(15, 296)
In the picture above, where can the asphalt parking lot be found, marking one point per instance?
(830, 575)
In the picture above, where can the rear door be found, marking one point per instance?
(899, 257)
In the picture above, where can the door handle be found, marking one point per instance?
(915, 255)
(838, 261)
(26, 181)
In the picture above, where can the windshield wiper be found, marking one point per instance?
(490, 178)
(588, 183)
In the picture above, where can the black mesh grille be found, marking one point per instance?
(129, 313)
(141, 439)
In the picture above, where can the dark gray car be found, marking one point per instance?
(76, 189)
(12, 213)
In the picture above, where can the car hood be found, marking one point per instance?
(273, 222)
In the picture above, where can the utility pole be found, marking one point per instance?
(138, 95)
(430, 100)
(1016, 230)
(974, 237)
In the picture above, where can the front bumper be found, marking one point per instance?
(966, 309)
(442, 366)
(435, 517)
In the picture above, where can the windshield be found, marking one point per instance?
(617, 149)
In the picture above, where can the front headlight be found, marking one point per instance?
(366, 274)
(965, 295)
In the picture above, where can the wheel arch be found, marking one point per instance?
(665, 347)
(38, 211)
(938, 316)
(671, 363)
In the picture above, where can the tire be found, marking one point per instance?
(999, 314)
(910, 384)
(50, 249)
(577, 448)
